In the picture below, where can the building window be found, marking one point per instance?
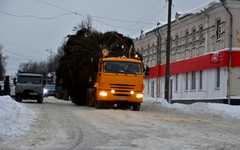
(186, 85)
(201, 35)
(193, 87)
(142, 52)
(148, 48)
(171, 43)
(200, 80)
(176, 83)
(218, 78)
(218, 30)
(166, 43)
(186, 39)
(194, 38)
(176, 42)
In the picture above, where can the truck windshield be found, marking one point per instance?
(28, 79)
(122, 67)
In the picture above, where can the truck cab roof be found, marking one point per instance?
(30, 74)
(121, 59)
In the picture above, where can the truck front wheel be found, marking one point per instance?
(98, 104)
(136, 106)
(18, 99)
(40, 99)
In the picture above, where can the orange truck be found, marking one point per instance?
(119, 81)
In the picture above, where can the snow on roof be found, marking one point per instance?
(199, 9)
(183, 14)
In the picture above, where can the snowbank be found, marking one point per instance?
(223, 110)
(14, 117)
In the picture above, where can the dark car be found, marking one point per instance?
(49, 90)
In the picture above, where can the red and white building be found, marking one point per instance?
(201, 47)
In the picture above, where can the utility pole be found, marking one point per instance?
(230, 52)
(168, 52)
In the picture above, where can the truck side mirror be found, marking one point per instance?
(96, 67)
(147, 71)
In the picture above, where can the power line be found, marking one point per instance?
(56, 6)
(20, 55)
(85, 16)
(36, 17)
(18, 45)
(71, 13)
(120, 20)
(152, 17)
(155, 5)
(18, 59)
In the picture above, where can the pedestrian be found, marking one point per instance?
(1, 92)
(14, 81)
(6, 89)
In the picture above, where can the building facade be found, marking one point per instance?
(201, 48)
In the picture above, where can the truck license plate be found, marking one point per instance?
(122, 98)
(32, 93)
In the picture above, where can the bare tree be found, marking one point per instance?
(33, 67)
(87, 24)
(2, 64)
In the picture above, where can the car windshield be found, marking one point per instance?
(122, 67)
(29, 79)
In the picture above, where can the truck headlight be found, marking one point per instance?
(112, 91)
(103, 93)
(139, 95)
(132, 92)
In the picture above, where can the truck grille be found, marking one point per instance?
(122, 86)
(122, 89)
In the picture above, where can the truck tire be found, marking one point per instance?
(18, 99)
(40, 99)
(136, 107)
(98, 105)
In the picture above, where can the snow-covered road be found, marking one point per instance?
(58, 124)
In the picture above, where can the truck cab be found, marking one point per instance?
(119, 81)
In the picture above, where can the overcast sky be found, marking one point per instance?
(29, 27)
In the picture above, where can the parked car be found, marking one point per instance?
(29, 86)
(49, 90)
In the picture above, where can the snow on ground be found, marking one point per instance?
(15, 118)
(223, 110)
